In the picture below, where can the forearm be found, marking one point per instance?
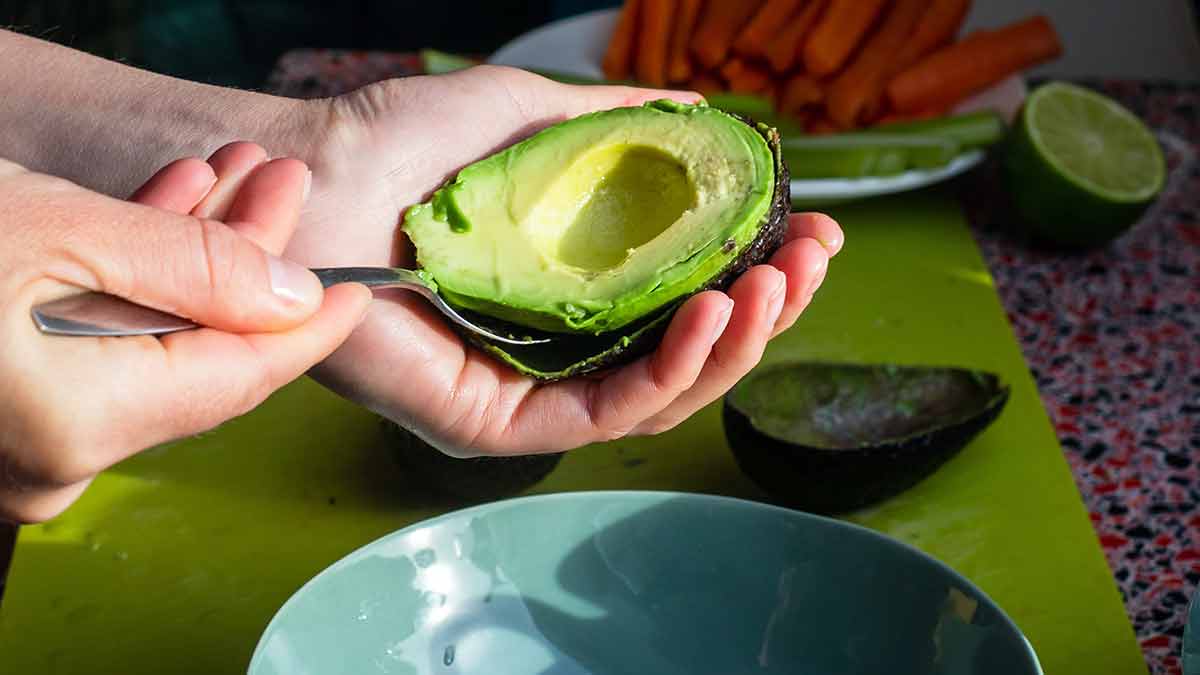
(108, 126)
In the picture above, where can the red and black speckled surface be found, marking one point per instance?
(1113, 338)
(1111, 335)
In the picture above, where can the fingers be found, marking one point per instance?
(758, 298)
(585, 411)
(579, 99)
(199, 269)
(267, 207)
(816, 226)
(232, 163)
(177, 187)
(213, 376)
(804, 263)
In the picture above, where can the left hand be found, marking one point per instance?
(387, 147)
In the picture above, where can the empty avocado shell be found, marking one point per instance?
(475, 478)
(835, 437)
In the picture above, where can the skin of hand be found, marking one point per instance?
(388, 146)
(72, 406)
(374, 153)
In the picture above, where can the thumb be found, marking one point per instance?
(578, 99)
(199, 269)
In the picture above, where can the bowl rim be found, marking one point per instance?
(651, 497)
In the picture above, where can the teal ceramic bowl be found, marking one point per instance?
(639, 583)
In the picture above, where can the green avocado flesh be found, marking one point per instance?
(848, 406)
(597, 223)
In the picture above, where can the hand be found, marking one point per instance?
(71, 406)
(388, 147)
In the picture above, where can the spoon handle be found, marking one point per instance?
(95, 314)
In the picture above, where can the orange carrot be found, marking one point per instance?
(784, 50)
(800, 92)
(679, 66)
(705, 83)
(866, 75)
(937, 28)
(619, 56)
(654, 39)
(949, 75)
(753, 40)
(721, 22)
(838, 32)
(744, 77)
(820, 126)
(897, 118)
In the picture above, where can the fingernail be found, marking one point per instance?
(307, 187)
(818, 277)
(293, 283)
(775, 300)
(722, 319)
(831, 245)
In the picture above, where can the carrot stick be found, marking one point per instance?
(837, 34)
(705, 83)
(753, 40)
(951, 74)
(854, 87)
(937, 28)
(820, 126)
(721, 22)
(619, 55)
(654, 39)
(800, 92)
(745, 78)
(679, 66)
(784, 50)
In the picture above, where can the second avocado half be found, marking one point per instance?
(593, 231)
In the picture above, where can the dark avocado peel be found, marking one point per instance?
(474, 478)
(600, 332)
(835, 437)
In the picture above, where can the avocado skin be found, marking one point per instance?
(830, 482)
(574, 355)
(475, 478)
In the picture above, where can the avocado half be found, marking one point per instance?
(593, 231)
(474, 478)
(835, 437)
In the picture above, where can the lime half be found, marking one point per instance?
(1081, 168)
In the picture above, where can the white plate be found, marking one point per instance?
(576, 45)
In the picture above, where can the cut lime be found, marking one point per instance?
(1081, 168)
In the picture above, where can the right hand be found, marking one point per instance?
(72, 406)
(388, 146)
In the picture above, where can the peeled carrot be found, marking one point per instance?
(853, 88)
(949, 75)
(619, 56)
(654, 38)
(745, 78)
(753, 40)
(679, 66)
(800, 92)
(721, 21)
(937, 28)
(820, 126)
(838, 33)
(784, 50)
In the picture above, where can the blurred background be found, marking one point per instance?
(236, 42)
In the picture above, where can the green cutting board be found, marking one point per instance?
(175, 560)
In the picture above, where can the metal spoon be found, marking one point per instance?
(101, 315)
